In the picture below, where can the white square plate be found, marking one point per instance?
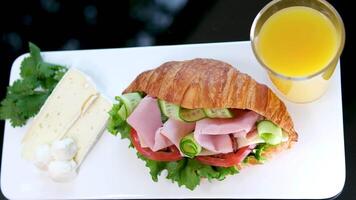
(314, 168)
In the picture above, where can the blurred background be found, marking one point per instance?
(89, 24)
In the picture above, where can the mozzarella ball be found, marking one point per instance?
(64, 149)
(42, 157)
(62, 171)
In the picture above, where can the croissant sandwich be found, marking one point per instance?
(200, 118)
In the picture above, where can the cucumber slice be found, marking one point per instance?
(130, 101)
(176, 112)
(269, 132)
(218, 112)
(191, 115)
(189, 146)
(169, 109)
(122, 112)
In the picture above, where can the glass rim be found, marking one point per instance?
(335, 57)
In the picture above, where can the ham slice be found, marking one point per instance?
(161, 141)
(205, 152)
(214, 143)
(251, 138)
(240, 125)
(175, 130)
(213, 134)
(146, 120)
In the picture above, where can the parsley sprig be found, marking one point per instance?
(25, 96)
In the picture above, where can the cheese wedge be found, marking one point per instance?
(70, 105)
(87, 130)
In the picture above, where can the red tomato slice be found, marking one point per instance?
(172, 155)
(226, 160)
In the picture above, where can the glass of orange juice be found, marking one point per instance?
(299, 43)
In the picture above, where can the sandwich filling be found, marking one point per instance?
(221, 137)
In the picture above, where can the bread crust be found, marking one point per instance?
(209, 83)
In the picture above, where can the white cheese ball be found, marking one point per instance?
(64, 149)
(42, 157)
(62, 171)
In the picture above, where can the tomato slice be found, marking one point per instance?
(172, 155)
(226, 160)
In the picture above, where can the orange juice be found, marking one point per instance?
(296, 43)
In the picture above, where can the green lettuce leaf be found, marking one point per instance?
(118, 125)
(155, 167)
(187, 172)
(257, 153)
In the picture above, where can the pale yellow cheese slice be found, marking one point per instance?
(73, 95)
(89, 127)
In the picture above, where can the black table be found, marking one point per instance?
(55, 25)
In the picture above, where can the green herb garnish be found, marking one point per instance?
(25, 96)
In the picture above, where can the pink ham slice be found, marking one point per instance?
(161, 141)
(205, 152)
(251, 138)
(214, 143)
(175, 130)
(146, 120)
(241, 124)
(213, 134)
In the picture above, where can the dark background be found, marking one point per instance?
(64, 25)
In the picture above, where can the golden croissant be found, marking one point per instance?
(209, 83)
(201, 114)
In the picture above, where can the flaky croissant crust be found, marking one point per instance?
(209, 83)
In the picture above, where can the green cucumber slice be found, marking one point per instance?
(130, 102)
(191, 115)
(169, 109)
(269, 132)
(176, 112)
(122, 112)
(189, 146)
(218, 113)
